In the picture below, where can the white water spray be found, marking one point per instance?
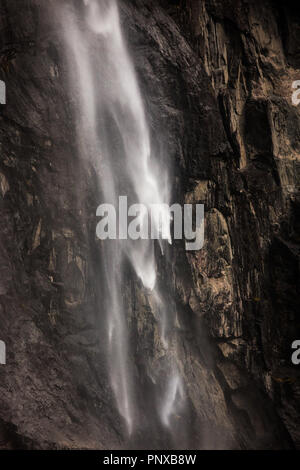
(104, 79)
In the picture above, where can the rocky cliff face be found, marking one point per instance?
(216, 78)
(248, 276)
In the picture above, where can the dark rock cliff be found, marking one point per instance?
(216, 78)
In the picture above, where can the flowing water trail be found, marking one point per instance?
(112, 132)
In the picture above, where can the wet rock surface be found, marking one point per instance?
(217, 90)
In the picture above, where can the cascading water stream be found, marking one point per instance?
(104, 80)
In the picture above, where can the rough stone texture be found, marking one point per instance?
(247, 277)
(216, 78)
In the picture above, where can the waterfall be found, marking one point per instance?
(113, 134)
